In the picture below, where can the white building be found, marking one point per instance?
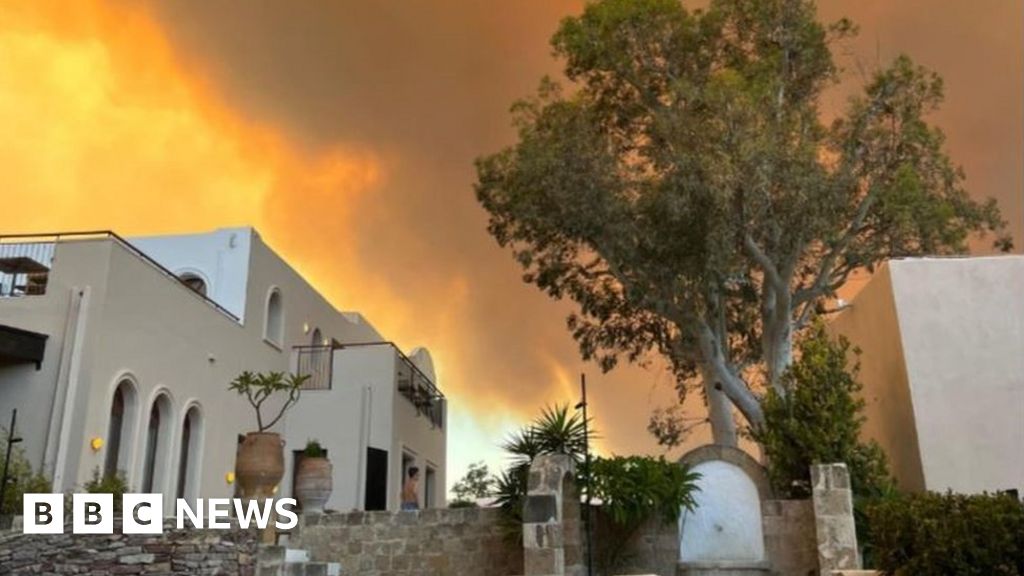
(117, 355)
(943, 370)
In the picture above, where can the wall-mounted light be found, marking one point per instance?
(305, 327)
(96, 444)
(229, 477)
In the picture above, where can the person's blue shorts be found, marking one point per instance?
(410, 506)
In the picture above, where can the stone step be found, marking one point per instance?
(313, 569)
(723, 568)
(294, 555)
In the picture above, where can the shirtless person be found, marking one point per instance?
(410, 501)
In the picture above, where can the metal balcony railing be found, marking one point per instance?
(25, 268)
(317, 362)
(410, 381)
(29, 257)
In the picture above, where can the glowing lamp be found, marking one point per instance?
(96, 443)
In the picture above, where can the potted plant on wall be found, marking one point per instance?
(313, 480)
(259, 465)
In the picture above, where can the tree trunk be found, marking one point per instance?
(723, 425)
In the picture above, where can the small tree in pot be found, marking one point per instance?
(313, 480)
(259, 465)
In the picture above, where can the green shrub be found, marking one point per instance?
(818, 421)
(314, 449)
(948, 534)
(115, 484)
(463, 504)
(21, 479)
(633, 490)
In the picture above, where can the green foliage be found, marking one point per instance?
(115, 484)
(477, 483)
(942, 534)
(555, 431)
(818, 421)
(689, 198)
(314, 450)
(22, 479)
(633, 489)
(257, 388)
(463, 504)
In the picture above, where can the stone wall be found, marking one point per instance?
(436, 542)
(653, 548)
(789, 537)
(228, 552)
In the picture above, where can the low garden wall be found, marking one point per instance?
(441, 542)
(790, 536)
(228, 552)
(790, 540)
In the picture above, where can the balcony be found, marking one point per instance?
(24, 267)
(317, 362)
(420, 391)
(26, 261)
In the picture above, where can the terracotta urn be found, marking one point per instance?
(313, 484)
(259, 466)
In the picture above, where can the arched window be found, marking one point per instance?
(157, 441)
(194, 281)
(273, 329)
(119, 429)
(188, 461)
(318, 339)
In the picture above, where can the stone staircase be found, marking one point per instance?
(723, 568)
(283, 561)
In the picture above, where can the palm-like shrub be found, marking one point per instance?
(555, 431)
(632, 490)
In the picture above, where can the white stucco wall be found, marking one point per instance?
(872, 325)
(111, 315)
(962, 326)
(943, 369)
(220, 257)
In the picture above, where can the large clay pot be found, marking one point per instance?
(313, 484)
(259, 466)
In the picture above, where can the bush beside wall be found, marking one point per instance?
(948, 534)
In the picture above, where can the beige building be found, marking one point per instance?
(943, 369)
(117, 355)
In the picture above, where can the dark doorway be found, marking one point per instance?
(376, 479)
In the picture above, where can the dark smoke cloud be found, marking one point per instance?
(427, 85)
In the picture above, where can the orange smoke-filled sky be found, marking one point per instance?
(345, 132)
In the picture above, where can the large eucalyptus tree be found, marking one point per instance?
(687, 194)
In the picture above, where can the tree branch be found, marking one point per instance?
(771, 272)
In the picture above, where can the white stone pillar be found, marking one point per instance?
(833, 518)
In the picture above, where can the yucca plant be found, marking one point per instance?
(559, 431)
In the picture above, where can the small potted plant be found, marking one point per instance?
(313, 479)
(259, 465)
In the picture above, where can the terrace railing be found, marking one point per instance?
(28, 254)
(317, 362)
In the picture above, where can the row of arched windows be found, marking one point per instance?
(159, 440)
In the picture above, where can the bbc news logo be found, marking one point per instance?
(144, 513)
